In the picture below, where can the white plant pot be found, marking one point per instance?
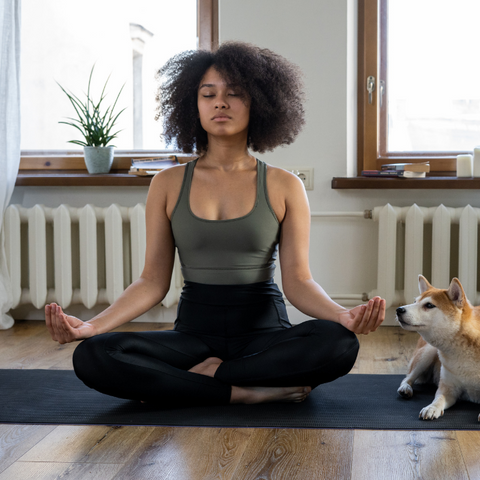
(98, 159)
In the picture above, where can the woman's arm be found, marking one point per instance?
(299, 287)
(154, 282)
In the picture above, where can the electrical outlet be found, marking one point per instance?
(305, 174)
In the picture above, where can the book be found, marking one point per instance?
(151, 166)
(380, 173)
(407, 167)
(408, 174)
(393, 173)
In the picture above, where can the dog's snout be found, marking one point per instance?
(401, 310)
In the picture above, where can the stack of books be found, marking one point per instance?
(402, 170)
(151, 166)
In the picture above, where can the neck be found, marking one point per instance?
(227, 153)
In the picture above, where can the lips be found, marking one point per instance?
(221, 117)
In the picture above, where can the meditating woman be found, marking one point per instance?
(227, 213)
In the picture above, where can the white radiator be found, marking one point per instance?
(90, 255)
(439, 242)
(72, 255)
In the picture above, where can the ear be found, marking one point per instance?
(455, 292)
(423, 284)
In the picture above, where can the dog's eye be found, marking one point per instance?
(429, 305)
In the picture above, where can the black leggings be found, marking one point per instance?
(244, 325)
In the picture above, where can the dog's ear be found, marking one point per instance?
(456, 293)
(423, 284)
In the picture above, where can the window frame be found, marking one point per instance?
(371, 118)
(73, 160)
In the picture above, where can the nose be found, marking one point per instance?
(401, 310)
(221, 102)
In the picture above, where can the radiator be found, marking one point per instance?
(439, 242)
(73, 255)
(90, 255)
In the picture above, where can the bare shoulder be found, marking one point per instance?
(165, 187)
(281, 180)
(167, 181)
(285, 190)
(168, 177)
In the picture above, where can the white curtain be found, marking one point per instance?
(9, 133)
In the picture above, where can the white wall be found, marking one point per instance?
(319, 36)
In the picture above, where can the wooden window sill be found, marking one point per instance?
(79, 178)
(430, 182)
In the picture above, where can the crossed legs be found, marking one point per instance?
(173, 367)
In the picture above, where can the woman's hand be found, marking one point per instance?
(64, 328)
(364, 318)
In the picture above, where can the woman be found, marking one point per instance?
(226, 212)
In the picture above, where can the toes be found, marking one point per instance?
(430, 413)
(405, 391)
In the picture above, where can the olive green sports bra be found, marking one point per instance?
(236, 251)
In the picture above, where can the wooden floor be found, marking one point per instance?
(77, 452)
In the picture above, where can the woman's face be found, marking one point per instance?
(224, 109)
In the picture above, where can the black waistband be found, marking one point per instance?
(230, 294)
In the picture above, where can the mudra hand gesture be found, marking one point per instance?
(364, 318)
(65, 328)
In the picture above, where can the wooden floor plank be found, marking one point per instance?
(386, 351)
(88, 444)
(16, 440)
(470, 445)
(189, 453)
(55, 471)
(402, 455)
(297, 454)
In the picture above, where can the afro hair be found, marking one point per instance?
(272, 83)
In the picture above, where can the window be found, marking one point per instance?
(420, 56)
(128, 41)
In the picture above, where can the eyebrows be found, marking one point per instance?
(213, 85)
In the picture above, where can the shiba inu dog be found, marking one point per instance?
(448, 352)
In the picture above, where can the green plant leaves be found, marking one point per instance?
(94, 125)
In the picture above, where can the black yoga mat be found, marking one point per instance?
(353, 401)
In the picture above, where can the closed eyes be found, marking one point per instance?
(229, 94)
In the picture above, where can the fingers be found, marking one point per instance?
(63, 326)
(49, 320)
(57, 324)
(373, 314)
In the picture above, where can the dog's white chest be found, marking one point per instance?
(472, 394)
(464, 379)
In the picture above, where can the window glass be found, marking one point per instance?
(433, 75)
(128, 40)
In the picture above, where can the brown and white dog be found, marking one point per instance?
(448, 352)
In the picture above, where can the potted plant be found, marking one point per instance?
(96, 126)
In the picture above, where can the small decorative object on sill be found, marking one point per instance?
(151, 166)
(464, 165)
(423, 167)
(393, 173)
(96, 126)
(476, 162)
(379, 173)
(98, 159)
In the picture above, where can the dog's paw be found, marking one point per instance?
(405, 390)
(430, 412)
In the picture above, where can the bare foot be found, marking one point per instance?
(269, 394)
(208, 367)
